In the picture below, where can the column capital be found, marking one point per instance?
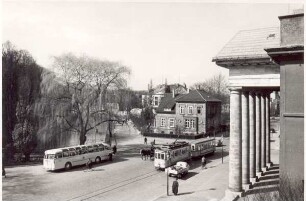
(232, 89)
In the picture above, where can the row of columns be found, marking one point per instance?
(249, 154)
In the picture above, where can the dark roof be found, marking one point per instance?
(196, 96)
(168, 102)
(250, 44)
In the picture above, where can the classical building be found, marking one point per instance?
(253, 76)
(188, 114)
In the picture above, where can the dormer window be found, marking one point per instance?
(190, 110)
(181, 109)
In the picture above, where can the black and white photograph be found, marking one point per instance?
(175, 100)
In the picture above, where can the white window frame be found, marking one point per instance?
(162, 122)
(192, 123)
(190, 109)
(155, 100)
(181, 109)
(187, 123)
(171, 122)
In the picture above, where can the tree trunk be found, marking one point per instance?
(82, 138)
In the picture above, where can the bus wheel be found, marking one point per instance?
(68, 166)
(110, 157)
(98, 159)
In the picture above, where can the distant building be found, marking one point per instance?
(187, 114)
(155, 94)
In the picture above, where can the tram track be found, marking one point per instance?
(115, 186)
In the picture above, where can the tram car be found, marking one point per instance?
(167, 155)
(201, 147)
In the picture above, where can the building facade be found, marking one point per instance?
(290, 57)
(188, 114)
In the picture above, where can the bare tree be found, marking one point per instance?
(85, 82)
(217, 86)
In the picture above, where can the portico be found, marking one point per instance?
(253, 76)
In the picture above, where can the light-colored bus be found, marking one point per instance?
(68, 157)
(201, 147)
(168, 154)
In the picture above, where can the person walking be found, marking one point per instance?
(175, 186)
(114, 149)
(89, 164)
(203, 161)
(145, 140)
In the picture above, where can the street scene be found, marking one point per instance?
(152, 101)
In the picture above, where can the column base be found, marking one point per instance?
(264, 169)
(254, 180)
(269, 165)
(246, 187)
(259, 174)
(231, 195)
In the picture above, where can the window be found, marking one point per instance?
(155, 101)
(187, 123)
(190, 108)
(199, 110)
(181, 109)
(192, 123)
(162, 122)
(171, 122)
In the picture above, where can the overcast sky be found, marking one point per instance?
(156, 40)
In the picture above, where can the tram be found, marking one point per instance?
(201, 147)
(168, 154)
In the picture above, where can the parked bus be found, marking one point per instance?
(201, 147)
(68, 157)
(168, 154)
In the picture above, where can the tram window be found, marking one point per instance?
(162, 156)
(158, 156)
(193, 147)
(155, 155)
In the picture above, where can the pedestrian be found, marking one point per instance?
(89, 164)
(114, 149)
(203, 161)
(153, 141)
(175, 186)
(145, 140)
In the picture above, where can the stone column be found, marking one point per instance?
(268, 137)
(252, 125)
(263, 132)
(235, 167)
(258, 133)
(245, 140)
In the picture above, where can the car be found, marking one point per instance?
(179, 169)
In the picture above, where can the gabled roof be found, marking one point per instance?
(250, 44)
(196, 96)
(168, 103)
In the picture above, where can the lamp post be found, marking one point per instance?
(167, 182)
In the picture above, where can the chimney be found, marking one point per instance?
(173, 94)
(188, 90)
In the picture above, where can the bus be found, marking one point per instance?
(201, 147)
(68, 157)
(168, 154)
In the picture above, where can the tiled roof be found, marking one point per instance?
(168, 103)
(196, 96)
(250, 44)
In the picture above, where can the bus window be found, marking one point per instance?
(49, 156)
(58, 155)
(65, 154)
(95, 148)
(101, 148)
(71, 153)
(162, 156)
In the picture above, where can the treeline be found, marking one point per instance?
(43, 109)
